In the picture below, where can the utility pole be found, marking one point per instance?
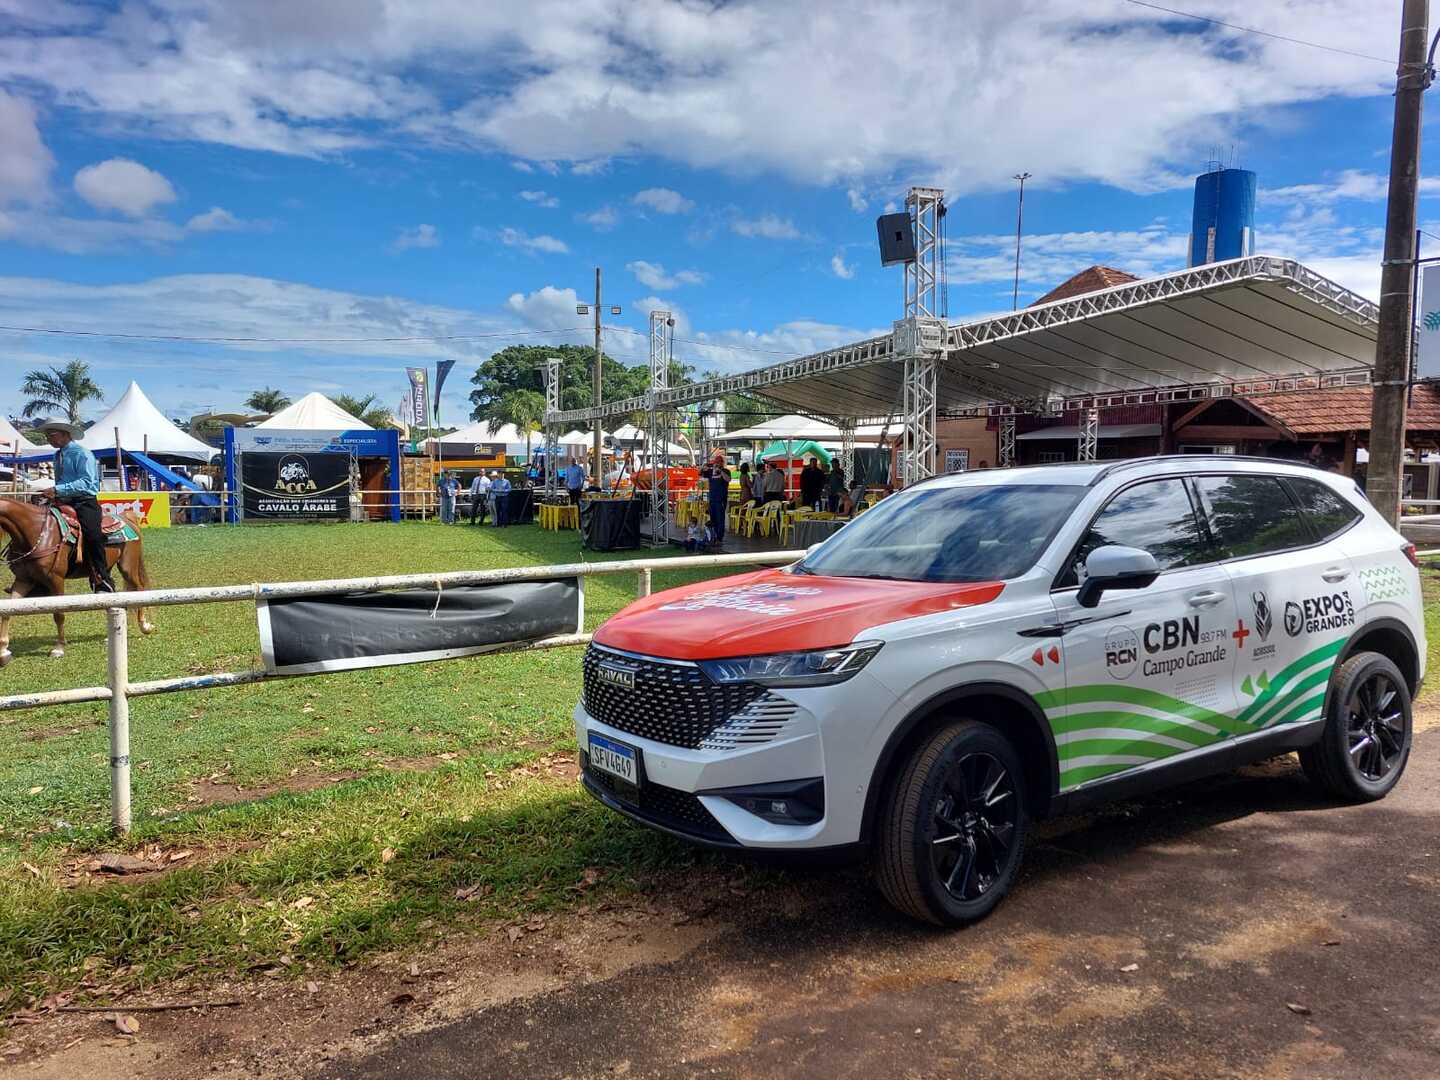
(1394, 332)
(1019, 223)
(596, 382)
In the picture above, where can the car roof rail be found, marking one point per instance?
(1132, 463)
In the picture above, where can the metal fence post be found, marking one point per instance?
(642, 583)
(117, 638)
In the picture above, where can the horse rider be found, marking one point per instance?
(77, 483)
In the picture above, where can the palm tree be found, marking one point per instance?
(267, 401)
(59, 389)
(523, 408)
(364, 408)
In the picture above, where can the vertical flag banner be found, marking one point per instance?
(442, 371)
(419, 396)
(1428, 365)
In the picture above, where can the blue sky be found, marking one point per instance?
(343, 169)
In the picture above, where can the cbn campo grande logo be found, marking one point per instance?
(756, 599)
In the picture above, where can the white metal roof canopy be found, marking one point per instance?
(1246, 326)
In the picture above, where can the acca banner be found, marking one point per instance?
(150, 508)
(409, 626)
(1428, 364)
(295, 486)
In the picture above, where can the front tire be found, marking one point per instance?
(1367, 736)
(953, 826)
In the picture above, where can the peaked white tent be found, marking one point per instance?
(143, 428)
(795, 426)
(631, 436)
(13, 444)
(314, 412)
(461, 443)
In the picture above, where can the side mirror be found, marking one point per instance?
(1115, 567)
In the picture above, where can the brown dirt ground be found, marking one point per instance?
(1236, 898)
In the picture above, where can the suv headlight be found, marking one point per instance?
(822, 667)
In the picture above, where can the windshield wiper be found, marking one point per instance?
(799, 568)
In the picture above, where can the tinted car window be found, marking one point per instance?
(1327, 512)
(1156, 516)
(973, 532)
(1250, 515)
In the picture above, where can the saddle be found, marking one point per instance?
(115, 529)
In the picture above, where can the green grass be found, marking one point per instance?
(431, 757)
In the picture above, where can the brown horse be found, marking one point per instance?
(41, 561)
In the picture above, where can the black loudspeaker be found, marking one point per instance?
(897, 238)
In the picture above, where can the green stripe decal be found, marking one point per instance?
(1064, 725)
(1132, 695)
(1097, 747)
(1277, 683)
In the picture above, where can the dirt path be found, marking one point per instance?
(1274, 935)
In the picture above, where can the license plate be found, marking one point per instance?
(617, 760)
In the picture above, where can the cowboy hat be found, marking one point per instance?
(75, 431)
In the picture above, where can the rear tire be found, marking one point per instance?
(1367, 736)
(953, 825)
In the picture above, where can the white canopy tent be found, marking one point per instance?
(13, 443)
(314, 412)
(795, 426)
(631, 437)
(462, 443)
(143, 429)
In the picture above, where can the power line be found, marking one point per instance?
(1261, 33)
(285, 341)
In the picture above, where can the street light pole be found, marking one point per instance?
(1019, 222)
(1394, 329)
(597, 378)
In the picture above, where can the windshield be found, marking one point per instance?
(940, 533)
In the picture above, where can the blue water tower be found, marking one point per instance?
(1224, 223)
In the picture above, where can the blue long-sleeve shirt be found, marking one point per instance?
(76, 472)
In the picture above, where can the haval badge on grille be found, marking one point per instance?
(615, 675)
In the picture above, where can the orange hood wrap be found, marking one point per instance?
(769, 612)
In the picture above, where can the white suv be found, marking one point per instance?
(985, 649)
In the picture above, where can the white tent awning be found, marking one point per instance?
(1104, 431)
(143, 428)
(314, 412)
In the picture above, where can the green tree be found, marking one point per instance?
(59, 390)
(364, 408)
(522, 367)
(523, 408)
(267, 401)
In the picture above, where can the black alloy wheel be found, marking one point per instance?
(1365, 743)
(950, 833)
(1377, 726)
(974, 826)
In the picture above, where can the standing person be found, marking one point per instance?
(774, 483)
(575, 481)
(747, 485)
(811, 481)
(500, 489)
(448, 487)
(719, 497)
(835, 487)
(77, 483)
(479, 497)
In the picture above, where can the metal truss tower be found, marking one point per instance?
(1007, 441)
(553, 365)
(662, 345)
(1089, 434)
(920, 336)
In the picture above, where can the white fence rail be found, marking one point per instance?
(118, 689)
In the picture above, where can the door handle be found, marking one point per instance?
(1333, 574)
(1205, 599)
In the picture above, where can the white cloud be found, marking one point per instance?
(421, 236)
(663, 201)
(218, 219)
(838, 267)
(123, 185)
(654, 276)
(25, 162)
(858, 202)
(548, 245)
(602, 219)
(767, 226)
(1355, 184)
(590, 168)
(743, 350)
(547, 309)
(540, 198)
(86, 236)
(709, 86)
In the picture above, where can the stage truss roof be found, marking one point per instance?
(1247, 327)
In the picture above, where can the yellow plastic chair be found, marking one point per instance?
(752, 517)
(769, 518)
(735, 515)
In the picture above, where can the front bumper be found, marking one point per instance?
(678, 792)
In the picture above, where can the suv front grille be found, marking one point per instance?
(670, 703)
